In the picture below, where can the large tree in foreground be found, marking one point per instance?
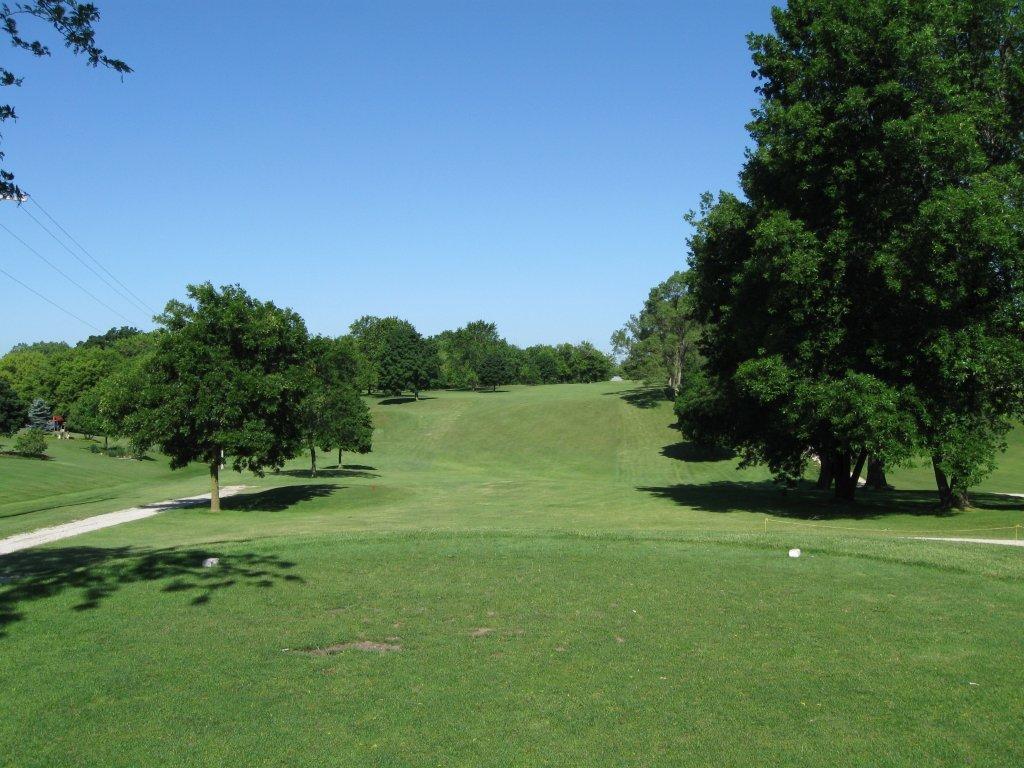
(224, 383)
(864, 299)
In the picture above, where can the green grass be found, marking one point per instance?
(638, 612)
(73, 483)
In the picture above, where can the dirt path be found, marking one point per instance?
(66, 530)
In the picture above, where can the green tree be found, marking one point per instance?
(407, 361)
(31, 372)
(659, 342)
(463, 350)
(86, 416)
(545, 361)
(110, 338)
(12, 410)
(79, 370)
(331, 408)
(223, 383)
(73, 22)
(588, 363)
(31, 442)
(355, 427)
(879, 249)
(495, 368)
(367, 333)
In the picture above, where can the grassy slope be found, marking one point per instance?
(75, 483)
(639, 616)
(569, 457)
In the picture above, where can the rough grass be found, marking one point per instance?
(559, 581)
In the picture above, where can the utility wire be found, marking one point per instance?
(47, 300)
(83, 262)
(95, 261)
(64, 274)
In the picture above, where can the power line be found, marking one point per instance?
(47, 300)
(83, 262)
(64, 274)
(93, 258)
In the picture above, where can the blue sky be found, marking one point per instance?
(526, 163)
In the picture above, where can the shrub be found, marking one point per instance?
(31, 442)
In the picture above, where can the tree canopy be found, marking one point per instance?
(864, 298)
(12, 410)
(331, 414)
(658, 343)
(224, 383)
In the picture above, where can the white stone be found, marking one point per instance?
(794, 553)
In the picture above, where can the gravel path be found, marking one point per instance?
(66, 530)
(1004, 542)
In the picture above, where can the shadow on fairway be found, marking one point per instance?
(402, 400)
(97, 573)
(807, 503)
(690, 451)
(330, 472)
(281, 498)
(643, 397)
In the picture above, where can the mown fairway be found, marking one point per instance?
(559, 580)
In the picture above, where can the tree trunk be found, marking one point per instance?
(876, 475)
(675, 371)
(339, 458)
(312, 460)
(950, 496)
(847, 476)
(105, 443)
(858, 468)
(215, 485)
(825, 475)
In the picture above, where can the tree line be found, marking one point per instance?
(226, 378)
(861, 304)
(395, 358)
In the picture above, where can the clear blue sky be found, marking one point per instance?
(527, 163)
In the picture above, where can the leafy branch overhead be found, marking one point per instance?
(74, 24)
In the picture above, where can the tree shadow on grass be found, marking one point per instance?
(402, 400)
(807, 503)
(642, 397)
(279, 499)
(330, 472)
(97, 573)
(687, 450)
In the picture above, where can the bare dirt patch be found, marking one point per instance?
(481, 632)
(357, 645)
